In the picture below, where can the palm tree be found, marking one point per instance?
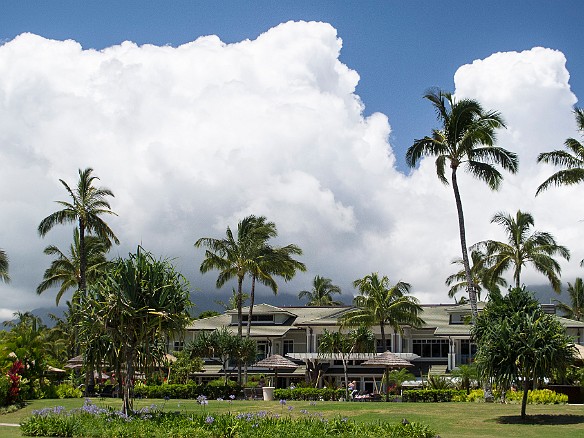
(537, 248)
(358, 340)
(4, 267)
(467, 137)
(382, 303)
(87, 204)
(65, 269)
(481, 278)
(268, 261)
(243, 254)
(320, 294)
(574, 310)
(572, 159)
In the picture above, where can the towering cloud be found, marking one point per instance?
(193, 138)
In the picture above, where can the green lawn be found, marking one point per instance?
(449, 419)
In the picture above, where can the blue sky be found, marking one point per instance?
(192, 140)
(399, 48)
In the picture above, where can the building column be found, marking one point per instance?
(451, 354)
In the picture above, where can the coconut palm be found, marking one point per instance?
(4, 267)
(268, 262)
(65, 269)
(321, 292)
(481, 278)
(574, 310)
(523, 247)
(239, 255)
(571, 159)
(88, 203)
(467, 137)
(381, 303)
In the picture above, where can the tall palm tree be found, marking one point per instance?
(382, 303)
(273, 262)
(481, 278)
(65, 269)
(572, 159)
(321, 292)
(88, 203)
(523, 246)
(4, 267)
(574, 310)
(235, 255)
(467, 137)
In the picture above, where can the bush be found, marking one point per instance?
(538, 397)
(66, 390)
(309, 394)
(433, 395)
(187, 391)
(5, 385)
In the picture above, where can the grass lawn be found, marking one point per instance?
(458, 420)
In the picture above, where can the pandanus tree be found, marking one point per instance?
(518, 343)
(523, 247)
(571, 159)
(384, 304)
(465, 139)
(4, 267)
(321, 292)
(139, 300)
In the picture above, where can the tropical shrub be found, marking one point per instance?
(213, 390)
(309, 394)
(432, 395)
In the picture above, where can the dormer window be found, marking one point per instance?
(259, 318)
(458, 318)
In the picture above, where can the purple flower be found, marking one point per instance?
(232, 396)
(290, 408)
(209, 419)
(282, 402)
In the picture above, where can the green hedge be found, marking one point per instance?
(432, 395)
(309, 394)
(187, 391)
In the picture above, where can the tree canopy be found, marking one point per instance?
(518, 343)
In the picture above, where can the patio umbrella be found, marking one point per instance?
(389, 361)
(75, 362)
(276, 362)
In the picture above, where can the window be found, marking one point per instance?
(467, 351)
(288, 347)
(258, 318)
(430, 347)
(179, 345)
(262, 350)
(383, 348)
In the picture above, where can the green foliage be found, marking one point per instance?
(538, 397)
(438, 382)
(325, 394)
(66, 390)
(184, 366)
(91, 421)
(432, 395)
(213, 390)
(5, 385)
(517, 342)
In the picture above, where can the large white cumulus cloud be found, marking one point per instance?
(191, 139)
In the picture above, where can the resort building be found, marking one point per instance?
(440, 345)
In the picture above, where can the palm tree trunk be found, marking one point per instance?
(239, 320)
(469, 283)
(382, 327)
(251, 301)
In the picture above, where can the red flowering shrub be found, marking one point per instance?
(14, 377)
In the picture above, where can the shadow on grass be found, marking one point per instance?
(542, 419)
